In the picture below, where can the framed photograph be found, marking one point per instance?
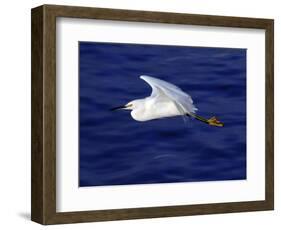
(141, 114)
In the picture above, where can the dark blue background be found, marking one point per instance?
(114, 149)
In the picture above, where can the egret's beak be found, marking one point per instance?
(119, 107)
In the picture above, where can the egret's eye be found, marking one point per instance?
(129, 105)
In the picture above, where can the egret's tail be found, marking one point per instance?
(212, 121)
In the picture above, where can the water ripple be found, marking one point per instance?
(114, 149)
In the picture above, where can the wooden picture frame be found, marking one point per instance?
(43, 208)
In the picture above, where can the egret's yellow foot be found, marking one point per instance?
(215, 122)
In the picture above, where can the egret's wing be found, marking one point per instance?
(182, 100)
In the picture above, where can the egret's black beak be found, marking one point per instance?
(118, 107)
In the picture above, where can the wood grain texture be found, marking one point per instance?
(44, 114)
(37, 116)
(269, 113)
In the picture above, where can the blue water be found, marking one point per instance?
(114, 149)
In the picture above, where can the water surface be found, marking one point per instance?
(114, 149)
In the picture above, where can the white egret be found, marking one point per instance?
(166, 100)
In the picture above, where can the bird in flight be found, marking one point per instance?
(166, 100)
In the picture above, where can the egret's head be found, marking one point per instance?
(129, 106)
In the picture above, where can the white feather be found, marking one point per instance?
(165, 91)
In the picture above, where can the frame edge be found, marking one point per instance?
(37, 190)
(43, 98)
(269, 105)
